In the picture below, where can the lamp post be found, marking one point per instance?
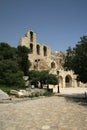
(58, 81)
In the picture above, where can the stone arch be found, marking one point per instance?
(68, 81)
(61, 81)
(31, 36)
(52, 64)
(38, 49)
(31, 47)
(45, 51)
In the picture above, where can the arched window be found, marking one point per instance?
(31, 47)
(68, 81)
(52, 65)
(38, 49)
(31, 36)
(45, 51)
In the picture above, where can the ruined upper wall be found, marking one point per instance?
(37, 50)
(30, 37)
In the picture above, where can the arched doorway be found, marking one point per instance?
(68, 81)
(61, 81)
(52, 65)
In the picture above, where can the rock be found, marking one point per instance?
(4, 96)
(21, 93)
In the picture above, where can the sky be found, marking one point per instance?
(57, 23)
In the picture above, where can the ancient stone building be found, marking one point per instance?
(40, 54)
(42, 58)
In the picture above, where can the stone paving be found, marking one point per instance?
(48, 113)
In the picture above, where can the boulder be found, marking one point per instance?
(21, 93)
(4, 96)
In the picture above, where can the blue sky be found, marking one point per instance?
(57, 23)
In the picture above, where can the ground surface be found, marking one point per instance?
(48, 113)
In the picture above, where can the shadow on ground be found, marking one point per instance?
(81, 99)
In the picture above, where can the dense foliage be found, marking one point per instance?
(76, 60)
(43, 77)
(22, 59)
(11, 68)
(7, 52)
(10, 73)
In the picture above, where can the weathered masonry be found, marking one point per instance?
(40, 53)
(42, 58)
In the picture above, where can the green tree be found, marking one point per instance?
(7, 52)
(43, 77)
(68, 59)
(34, 77)
(22, 58)
(52, 79)
(76, 60)
(10, 74)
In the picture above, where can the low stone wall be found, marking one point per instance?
(54, 88)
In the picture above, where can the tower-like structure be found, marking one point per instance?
(40, 54)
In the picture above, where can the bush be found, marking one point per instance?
(7, 89)
(47, 94)
(10, 73)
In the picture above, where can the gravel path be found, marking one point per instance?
(50, 113)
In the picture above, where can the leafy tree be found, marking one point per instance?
(10, 74)
(13, 64)
(46, 78)
(7, 52)
(22, 58)
(43, 77)
(34, 77)
(52, 79)
(68, 59)
(76, 60)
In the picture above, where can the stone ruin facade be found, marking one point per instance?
(42, 58)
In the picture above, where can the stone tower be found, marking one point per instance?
(40, 54)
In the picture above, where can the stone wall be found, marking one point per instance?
(39, 52)
(42, 59)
